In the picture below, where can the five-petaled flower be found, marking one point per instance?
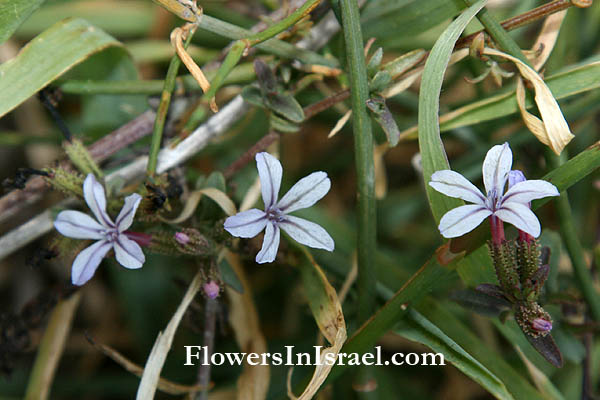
(110, 235)
(511, 207)
(306, 192)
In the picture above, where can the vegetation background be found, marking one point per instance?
(104, 63)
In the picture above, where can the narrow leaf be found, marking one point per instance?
(430, 144)
(417, 328)
(48, 56)
(13, 13)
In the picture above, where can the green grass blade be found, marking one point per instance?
(13, 13)
(430, 144)
(48, 56)
(417, 328)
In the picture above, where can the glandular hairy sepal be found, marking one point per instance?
(81, 158)
(186, 241)
(70, 183)
(504, 259)
(528, 258)
(533, 319)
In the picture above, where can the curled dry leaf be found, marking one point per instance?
(547, 38)
(162, 345)
(177, 41)
(253, 383)
(553, 129)
(327, 311)
(194, 198)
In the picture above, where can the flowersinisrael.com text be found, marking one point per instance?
(197, 355)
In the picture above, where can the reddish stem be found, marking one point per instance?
(525, 237)
(497, 230)
(143, 239)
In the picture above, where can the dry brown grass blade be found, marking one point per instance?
(381, 181)
(554, 130)
(161, 347)
(177, 41)
(194, 198)
(51, 348)
(340, 124)
(164, 385)
(253, 383)
(327, 311)
(547, 38)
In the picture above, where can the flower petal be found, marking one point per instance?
(306, 192)
(246, 224)
(454, 184)
(270, 244)
(524, 192)
(77, 225)
(496, 166)
(94, 195)
(463, 219)
(308, 233)
(521, 216)
(128, 253)
(87, 262)
(125, 218)
(269, 171)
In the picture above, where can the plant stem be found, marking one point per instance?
(238, 49)
(499, 35)
(163, 109)
(365, 172)
(273, 46)
(569, 236)
(363, 148)
(242, 73)
(524, 19)
(210, 317)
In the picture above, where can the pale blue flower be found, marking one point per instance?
(306, 192)
(110, 235)
(511, 207)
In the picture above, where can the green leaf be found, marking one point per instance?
(13, 13)
(417, 328)
(389, 19)
(229, 276)
(516, 383)
(48, 56)
(430, 144)
(285, 105)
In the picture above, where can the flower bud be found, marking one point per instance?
(515, 176)
(182, 238)
(541, 325)
(211, 289)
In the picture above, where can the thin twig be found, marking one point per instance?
(210, 318)
(259, 146)
(15, 201)
(315, 108)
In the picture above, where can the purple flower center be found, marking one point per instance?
(493, 200)
(275, 215)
